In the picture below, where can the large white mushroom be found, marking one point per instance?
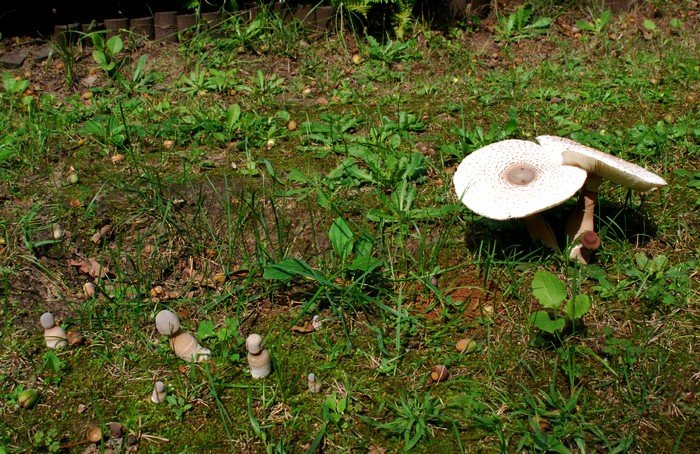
(600, 166)
(517, 179)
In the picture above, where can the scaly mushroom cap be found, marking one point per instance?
(167, 323)
(514, 179)
(610, 167)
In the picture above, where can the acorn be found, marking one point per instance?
(28, 398)
(116, 429)
(95, 434)
(75, 338)
(89, 289)
(439, 373)
(466, 345)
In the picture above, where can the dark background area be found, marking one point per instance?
(37, 17)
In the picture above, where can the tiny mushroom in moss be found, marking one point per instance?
(258, 359)
(54, 335)
(517, 179)
(159, 392)
(183, 343)
(599, 166)
(314, 385)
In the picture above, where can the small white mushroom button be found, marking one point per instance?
(258, 359)
(314, 385)
(159, 392)
(54, 335)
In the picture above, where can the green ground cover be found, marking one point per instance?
(254, 176)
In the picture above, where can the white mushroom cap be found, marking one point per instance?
(167, 323)
(514, 179)
(253, 343)
(610, 167)
(47, 320)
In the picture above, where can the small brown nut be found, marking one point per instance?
(168, 144)
(116, 429)
(94, 434)
(117, 158)
(292, 125)
(89, 289)
(466, 345)
(439, 373)
(75, 338)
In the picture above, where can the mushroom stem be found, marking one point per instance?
(540, 230)
(581, 222)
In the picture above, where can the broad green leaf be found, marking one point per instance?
(542, 321)
(99, 57)
(577, 307)
(341, 238)
(290, 268)
(366, 264)
(205, 329)
(114, 45)
(548, 289)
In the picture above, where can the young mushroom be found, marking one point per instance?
(183, 343)
(517, 179)
(314, 385)
(258, 359)
(600, 166)
(54, 335)
(159, 392)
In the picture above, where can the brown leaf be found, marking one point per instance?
(90, 266)
(305, 328)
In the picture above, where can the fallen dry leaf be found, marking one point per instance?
(305, 328)
(90, 266)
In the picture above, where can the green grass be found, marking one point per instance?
(225, 212)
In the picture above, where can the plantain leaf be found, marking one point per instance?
(577, 307)
(542, 321)
(548, 289)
